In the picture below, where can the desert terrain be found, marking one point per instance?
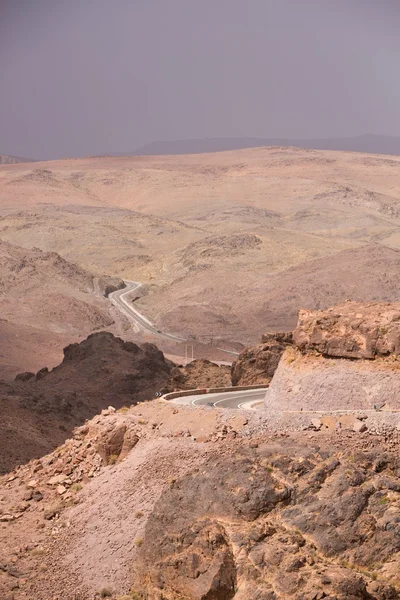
(228, 245)
(107, 491)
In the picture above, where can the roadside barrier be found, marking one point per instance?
(202, 391)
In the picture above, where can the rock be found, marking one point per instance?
(27, 376)
(186, 548)
(6, 518)
(341, 332)
(37, 496)
(359, 426)
(101, 372)
(316, 423)
(13, 571)
(57, 479)
(107, 285)
(61, 489)
(115, 445)
(42, 373)
(130, 441)
(206, 567)
(257, 365)
(32, 483)
(110, 443)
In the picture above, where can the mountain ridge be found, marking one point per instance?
(368, 143)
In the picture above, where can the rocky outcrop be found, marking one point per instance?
(39, 412)
(199, 373)
(305, 524)
(343, 359)
(163, 515)
(107, 285)
(350, 330)
(258, 364)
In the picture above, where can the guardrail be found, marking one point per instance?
(202, 391)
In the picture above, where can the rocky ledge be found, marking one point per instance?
(343, 360)
(350, 330)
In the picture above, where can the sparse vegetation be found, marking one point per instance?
(76, 487)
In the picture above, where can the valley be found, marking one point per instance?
(117, 479)
(209, 235)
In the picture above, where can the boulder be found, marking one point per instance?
(26, 376)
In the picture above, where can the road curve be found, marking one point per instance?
(140, 322)
(231, 399)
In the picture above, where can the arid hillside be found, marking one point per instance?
(40, 410)
(152, 500)
(229, 244)
(45, 302)
(165, 502)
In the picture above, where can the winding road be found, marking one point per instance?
(232, 399)
(229, 399)
(140, 322)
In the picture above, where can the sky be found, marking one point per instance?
(87, 77)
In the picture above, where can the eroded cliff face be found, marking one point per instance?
(344, 359)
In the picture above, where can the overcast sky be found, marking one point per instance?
(83, 77)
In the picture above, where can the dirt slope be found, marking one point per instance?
(28, 348)
(214, 514)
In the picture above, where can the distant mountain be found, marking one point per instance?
(5, 159)
(368, 143)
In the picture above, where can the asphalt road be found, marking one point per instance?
(119, 299)
(239, 399)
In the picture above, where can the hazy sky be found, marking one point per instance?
(81, 77)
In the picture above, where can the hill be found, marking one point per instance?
(368, 143)
(160, 501)
(39, 411)
(45, 302)
(229, 244)
(5, 159)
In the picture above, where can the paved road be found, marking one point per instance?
(239, 399)
(119, 299)
(140, 322)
